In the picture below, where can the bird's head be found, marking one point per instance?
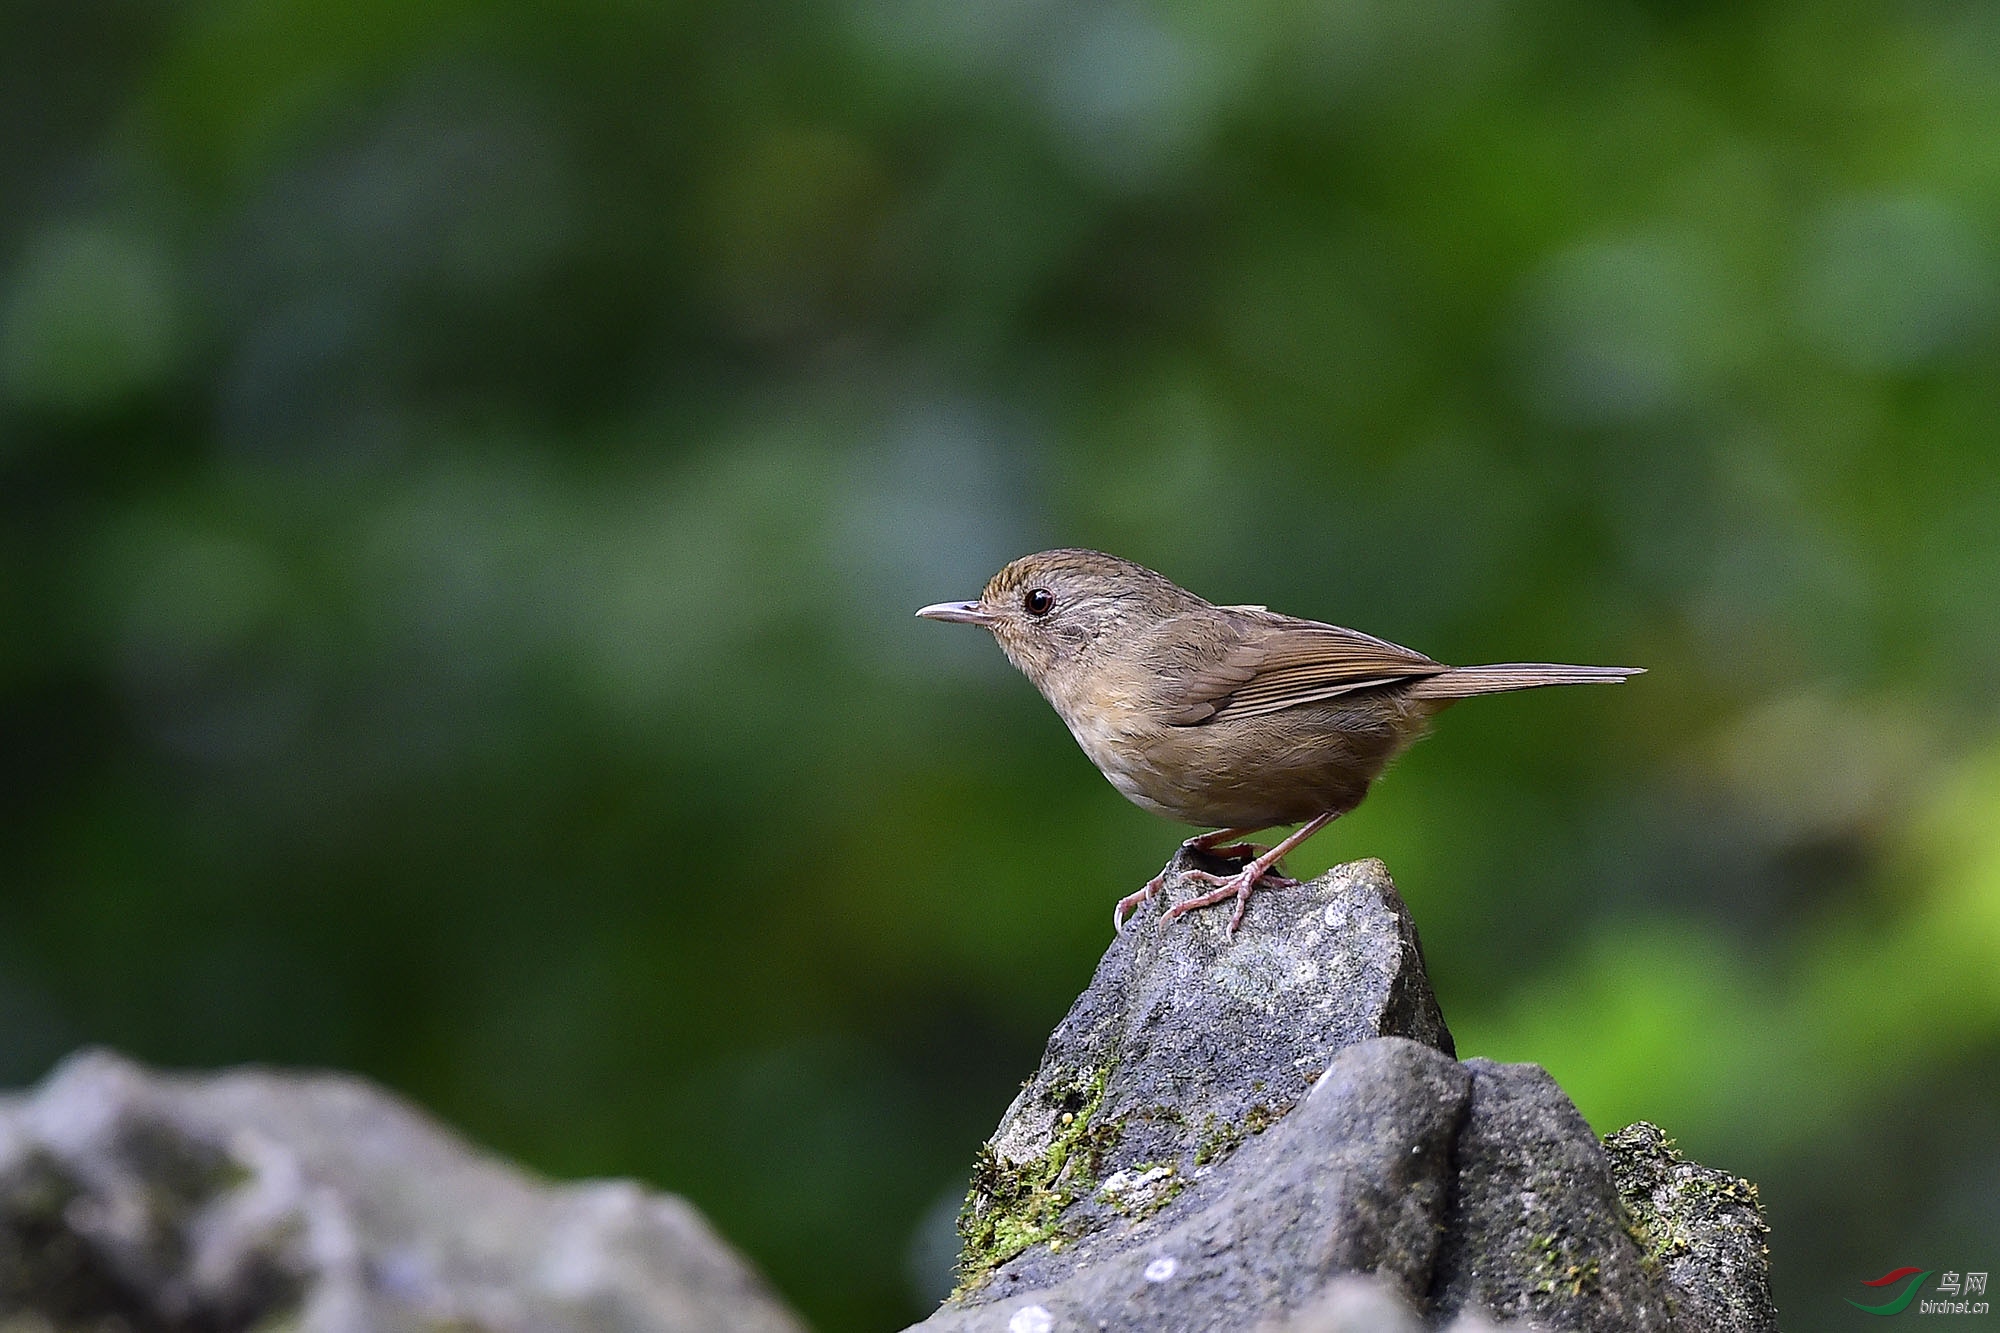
(1054, 612)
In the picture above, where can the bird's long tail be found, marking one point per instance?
(1463, 682)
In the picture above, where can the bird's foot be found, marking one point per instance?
(1204, 845)
(1238, 886)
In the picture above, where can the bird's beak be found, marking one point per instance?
(963, 613)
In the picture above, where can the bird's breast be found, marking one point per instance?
(1127, 749)
(1257, 772)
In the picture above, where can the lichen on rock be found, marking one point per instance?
(1701, 1230)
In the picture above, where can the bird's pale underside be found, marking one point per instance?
(1232, 717)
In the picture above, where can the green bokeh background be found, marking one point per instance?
(467, 470)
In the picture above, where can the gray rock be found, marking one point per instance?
(1356, 1179)
(1185, 1045)
(1537, 1232)
(1702, 1228)
(318, 1203)
(1360, 1304)
(1162, 1170)
(1352, 1304)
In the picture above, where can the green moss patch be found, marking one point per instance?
(1561, 1272)
(1013, 1205)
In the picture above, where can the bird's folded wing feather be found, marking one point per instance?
(1249, 664)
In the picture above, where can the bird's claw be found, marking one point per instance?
(1133, 902)
(1238, 886)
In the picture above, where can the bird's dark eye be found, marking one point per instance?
(1039, 601)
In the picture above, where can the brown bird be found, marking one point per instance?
(1231, 717)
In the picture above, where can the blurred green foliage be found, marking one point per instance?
(467, 469)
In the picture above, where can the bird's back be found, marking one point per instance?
(1242, 717)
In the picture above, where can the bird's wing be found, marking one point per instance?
(1248, 664)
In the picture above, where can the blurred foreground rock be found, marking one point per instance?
(150, 1203)
(1223, 1133)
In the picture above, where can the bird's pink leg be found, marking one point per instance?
(1239, 885)
(1201, 842)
